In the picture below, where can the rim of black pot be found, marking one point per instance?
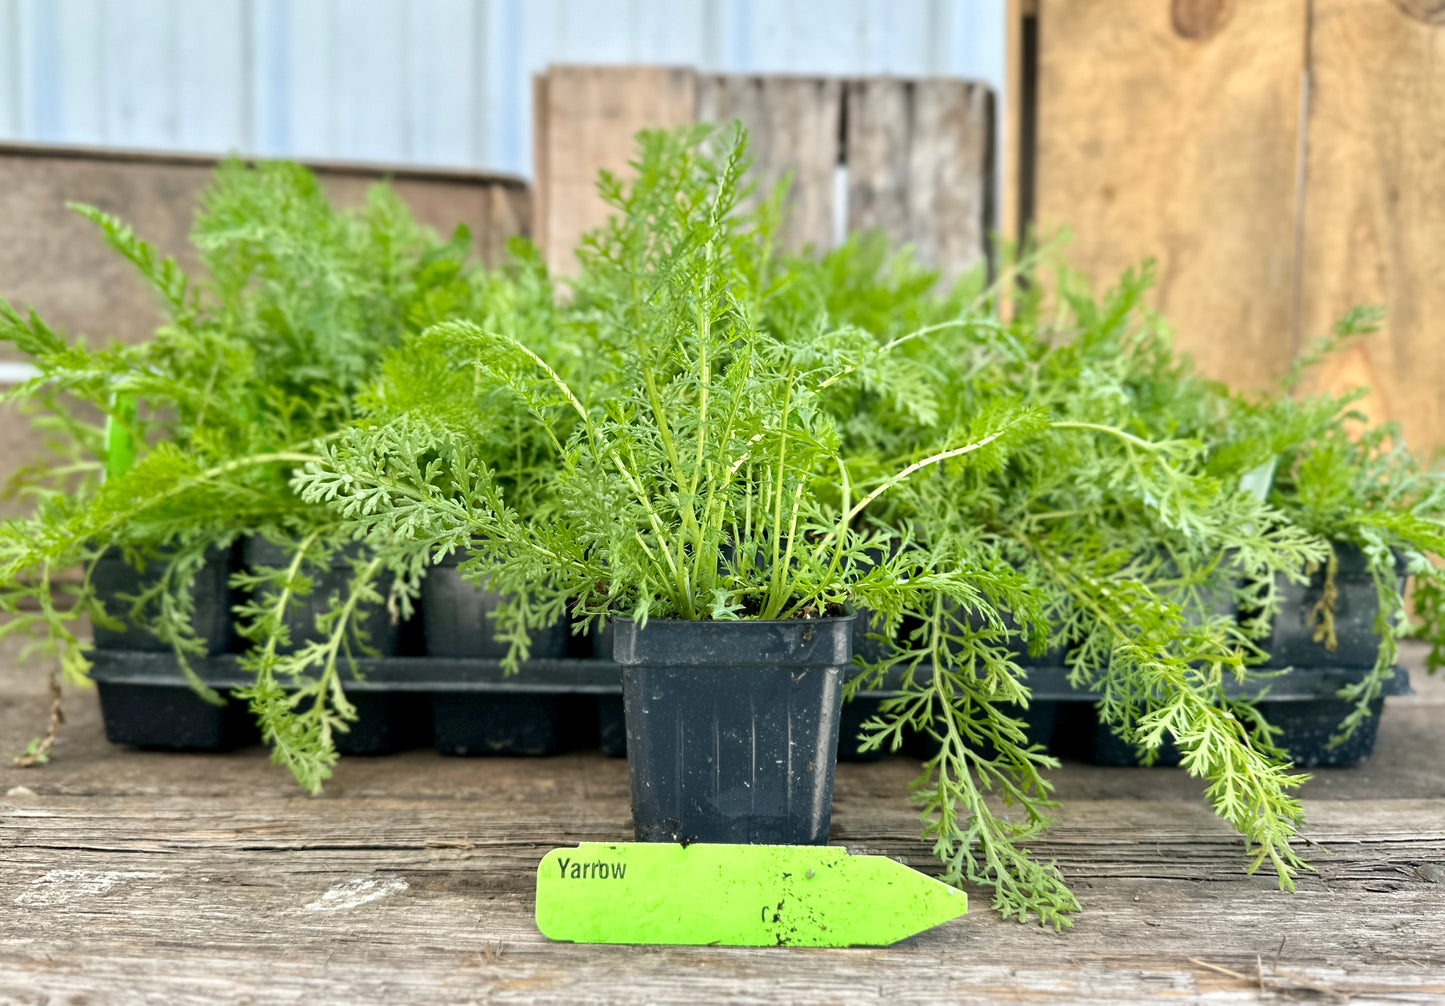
(822, 642)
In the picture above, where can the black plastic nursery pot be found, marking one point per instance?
(382, 633)
(1037, 718)
(114, 580)
(457, 618)
(612, 717)
(1302, 704)
(732, 727)
(1292, 642)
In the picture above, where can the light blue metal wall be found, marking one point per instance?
(444, 82)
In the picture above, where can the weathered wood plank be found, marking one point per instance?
(134, 877)
(1172, 130)
(877, 155)
(154, 892)
(1374, 212)
(588, 119)
(919, 156)
(793, 128)
(950, 174)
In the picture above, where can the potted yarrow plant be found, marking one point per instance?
(702, 503)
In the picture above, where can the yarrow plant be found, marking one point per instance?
(260, 360)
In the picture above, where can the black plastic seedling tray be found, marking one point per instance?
(469, 706)
(1356, 603)
(115, 580)
(382, 633)
(461, 706)
(1301, 703)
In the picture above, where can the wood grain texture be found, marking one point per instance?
(587, 119)
(794, 128)
(1374, 212)
(1172, 130)
(920, 169)
(918, 152)
(129, 877)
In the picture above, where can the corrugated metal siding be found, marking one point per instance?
(443, 82)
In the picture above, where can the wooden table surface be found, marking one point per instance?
(132, 877)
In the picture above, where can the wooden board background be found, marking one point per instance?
(1373, 227)
(914, 157)
(1283, 159)
(585, 117)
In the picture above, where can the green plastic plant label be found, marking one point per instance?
(119, 444)
(735, 895)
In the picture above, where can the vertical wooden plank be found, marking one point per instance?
(919, 156)
(950, 174)
(1173, 130)
(1374, 211)
(590, 117)
(876, 152)
(793, 127)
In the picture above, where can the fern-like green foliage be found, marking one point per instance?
(261, 359)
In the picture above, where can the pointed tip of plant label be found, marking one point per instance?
(735, 895)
